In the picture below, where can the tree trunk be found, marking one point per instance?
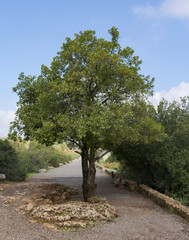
(89, 172)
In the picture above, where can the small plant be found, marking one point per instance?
(89, 225)
(64, 213)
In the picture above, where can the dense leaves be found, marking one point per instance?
(17, 159)
(86, 97)
(86, 92)
(162, 165)
(9, 162)
(35, 156)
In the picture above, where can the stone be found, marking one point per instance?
(50, 226)
(22, 208)
(30, 206)
(131, 185)
(11, 200)
(120, 183)
(97, 200)
(73, 224)
(42, 170)
(55, 193)
(2, 176)
(49, 205)
(26, 200)
(33, 220)
(73, 213)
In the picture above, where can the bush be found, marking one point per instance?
(10, 164)
(162, 165)
(158, 165)
(35, 156)
(111, 162)
(17, 159)
(32, 160)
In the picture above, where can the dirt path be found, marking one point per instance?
(138, 217)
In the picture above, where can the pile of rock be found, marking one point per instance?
(72, 214)
(55, 193)
(49, 193)
(48, 205)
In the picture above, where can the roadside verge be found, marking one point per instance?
(164, 201)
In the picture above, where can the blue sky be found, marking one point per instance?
(32, 31)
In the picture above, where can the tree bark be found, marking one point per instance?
(89, 172)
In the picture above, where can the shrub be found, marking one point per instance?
(35, 156)
(162, 165)
(10, 164)
(111, 162)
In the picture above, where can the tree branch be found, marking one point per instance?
(99, 157)
(73, 141)
(78, 152)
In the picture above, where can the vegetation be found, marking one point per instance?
(18, 159)
(110, 162)
(86, 97)
(9, 162)
(162, 165)
(93, 97)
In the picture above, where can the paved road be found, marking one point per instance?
(138, 217)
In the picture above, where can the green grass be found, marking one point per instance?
(29, 175)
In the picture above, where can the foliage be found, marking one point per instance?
(162, 165)
(35, 156)
(84, 93)
(9, 162)
(86, 97)
(110, 162)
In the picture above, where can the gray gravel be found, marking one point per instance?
(138, 217)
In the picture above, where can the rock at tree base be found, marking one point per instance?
(50, 226)
(97, 200)
(53, 193)
(48, 205)
(73, 214)
(11, 200)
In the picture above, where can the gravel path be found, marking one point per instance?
(138, 217)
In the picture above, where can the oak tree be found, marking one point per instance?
(84, 97)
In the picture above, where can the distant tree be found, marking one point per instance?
(162, 165)
(174, 117)
(84, 97)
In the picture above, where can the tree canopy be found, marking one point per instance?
(91, 95)
(162, 165)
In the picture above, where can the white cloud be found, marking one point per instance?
(175, 8)
(173, 94)
(5, 118)
(168, 8)
(147, 11)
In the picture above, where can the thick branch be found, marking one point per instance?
(76, 143)
(77, 152)
(99, 157)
